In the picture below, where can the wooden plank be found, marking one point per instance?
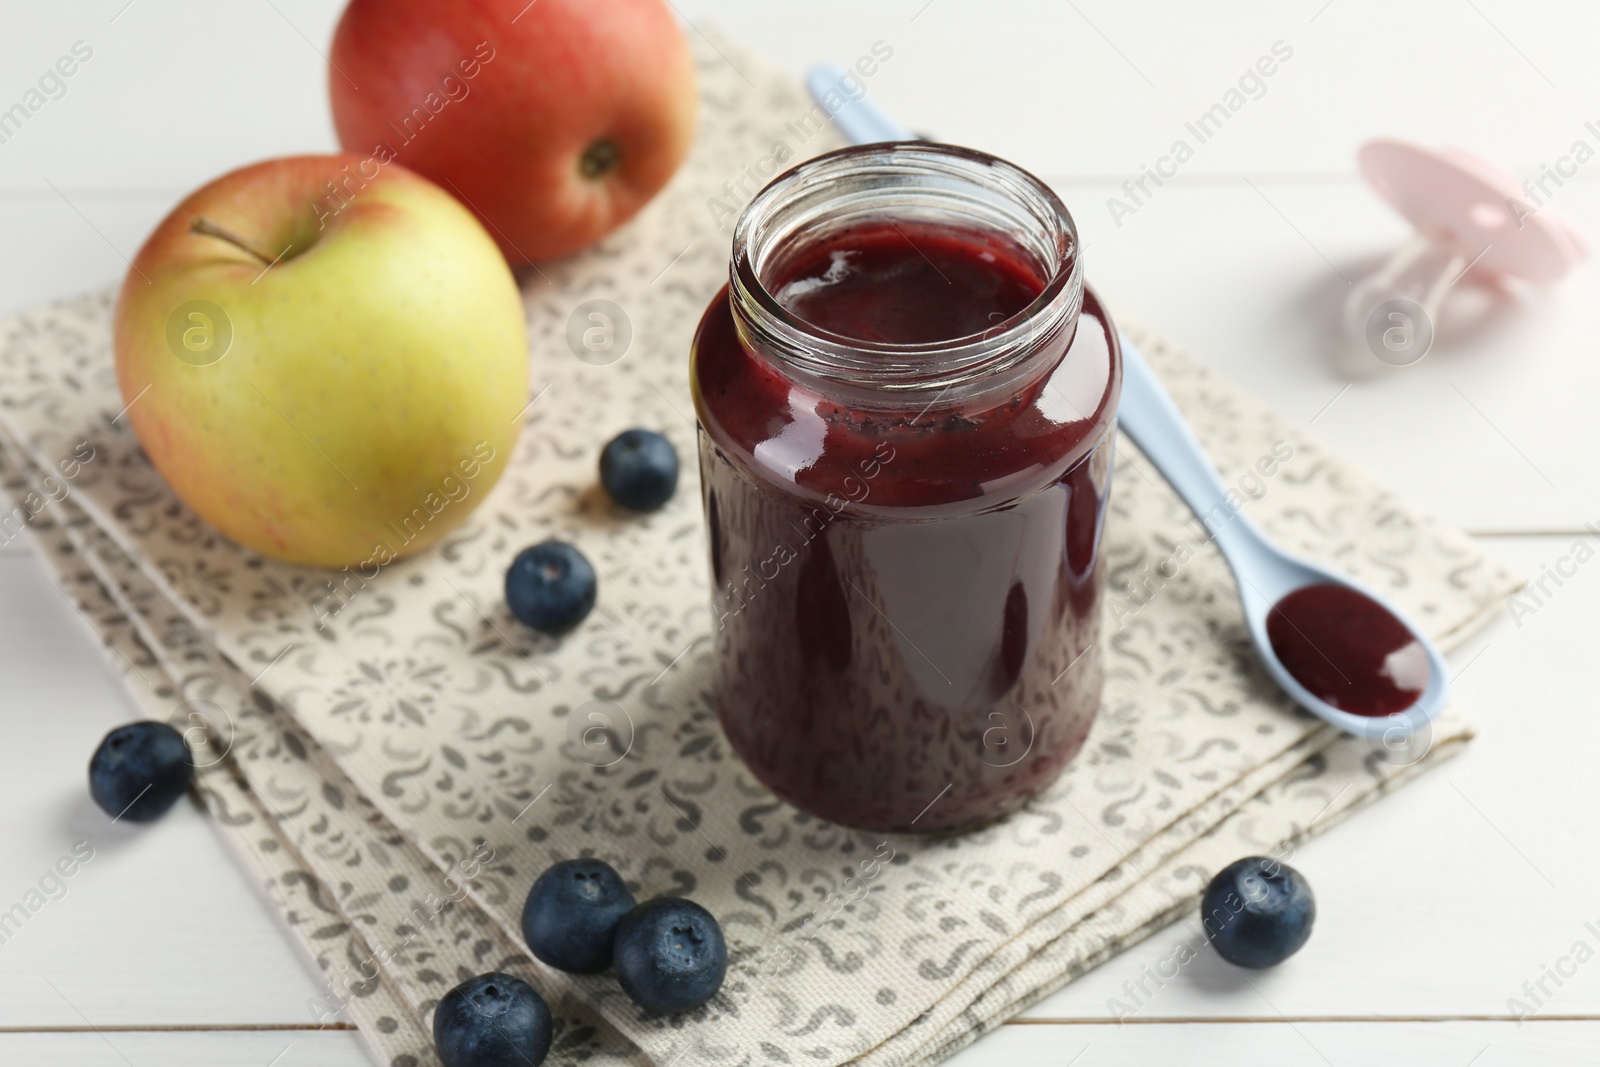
(179, 91)
(171, 96)
(1447, 1044)
(1100, 88)
(1443, 1044)
(112, 1048)
(159, 925)
(91, 240)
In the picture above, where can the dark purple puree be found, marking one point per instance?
(901, 592)
(1348, 650)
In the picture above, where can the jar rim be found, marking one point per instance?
(895, 367)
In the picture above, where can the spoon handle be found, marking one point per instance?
(1148, 415)
(860, 120)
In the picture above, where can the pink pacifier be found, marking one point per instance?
(1469, 214)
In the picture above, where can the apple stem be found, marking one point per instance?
(206, 228)
(599, 159)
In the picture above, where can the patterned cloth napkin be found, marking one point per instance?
(396, 759)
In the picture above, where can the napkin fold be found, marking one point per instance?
(395, 759)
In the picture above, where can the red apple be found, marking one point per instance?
(554, 120)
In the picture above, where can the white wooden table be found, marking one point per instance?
(1435, 908)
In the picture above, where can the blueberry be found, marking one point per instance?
(140, 770)
(493, 1020)
(550, 587)
(670, 955)
(1258, 912)
(572, 913)
(639, 469)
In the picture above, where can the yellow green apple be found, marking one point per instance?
(325, 357)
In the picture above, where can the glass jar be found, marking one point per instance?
(906, 399)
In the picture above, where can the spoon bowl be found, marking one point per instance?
(1270, 574)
